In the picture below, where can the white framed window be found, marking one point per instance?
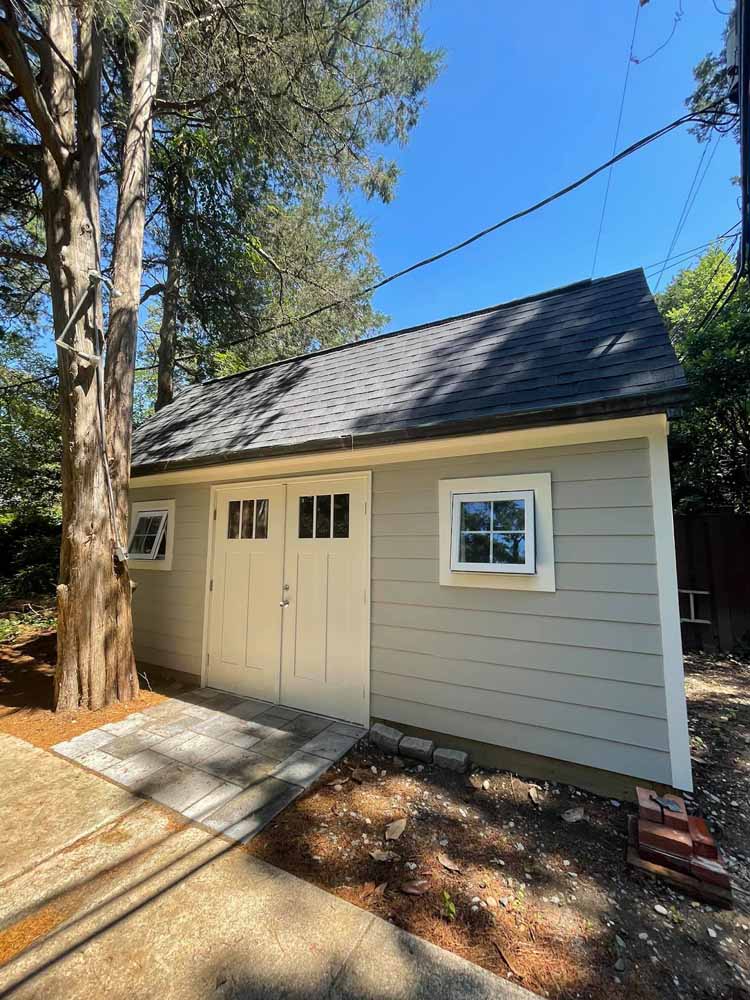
(496, 532)
(493, 532)
(151, 536)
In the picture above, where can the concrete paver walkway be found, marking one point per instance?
(233, 763)
(111, 895)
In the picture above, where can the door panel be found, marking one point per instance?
(324, 648)
(245, 638)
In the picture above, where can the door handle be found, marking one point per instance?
(284, 604)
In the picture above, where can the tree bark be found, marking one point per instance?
(170, 304)
(123, 325)
(71, 214)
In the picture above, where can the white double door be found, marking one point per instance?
(289, 610)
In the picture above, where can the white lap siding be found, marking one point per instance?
(168, 606)
(575, 675)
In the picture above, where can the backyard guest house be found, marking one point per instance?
(463, 528)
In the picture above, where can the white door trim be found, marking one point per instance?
(366, 478)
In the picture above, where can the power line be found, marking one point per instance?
(730, 234)
(574, 185)
(678, 15)
(617, 135)
(687, 205)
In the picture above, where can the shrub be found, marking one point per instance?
(29, 555)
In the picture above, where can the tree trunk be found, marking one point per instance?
(169, 307)
(71, 211)
(122, 335)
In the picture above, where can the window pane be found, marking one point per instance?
(474, 547)
(233, 522)
(509, 548)
(306, 517)
(261, 518)
(475, 515)
(248, 512)
(508, 515)
(341, 515)
(147, 528)
(323, 516)
(161, 552)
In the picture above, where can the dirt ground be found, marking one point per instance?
(487, 867)
(27, 668)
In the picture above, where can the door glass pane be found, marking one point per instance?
(341, 515)
(323, 516)
(475, 515)
(233, 522)
(261, 518)
(474, 547)
(306, 517)
(248, 511)
(509, 548)
(508, 515)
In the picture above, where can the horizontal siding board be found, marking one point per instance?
(637, 761)
(633, 492)
(639, 699)
(641, 668)
(565, 465)
(605, 549)
(187, 663)
(640, 609)
(501, 625)
(579, 720)
(592, 578)
(607, 578)
(604, 521)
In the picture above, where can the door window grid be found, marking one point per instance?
(324, 515)
(247, 519)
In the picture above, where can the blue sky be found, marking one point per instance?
(528, 101)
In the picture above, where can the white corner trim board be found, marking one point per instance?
(540, 483)
(669, 611)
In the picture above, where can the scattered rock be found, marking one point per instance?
(620, 965)
(451, 760)
(446, 862)
(385, 737)
(574, 815)
(378, 855)
(661, 910)
(394, 830)
(360, 775)
(416, 748)
(491, 902)
(398, 764)
(711, 932)
(536, 795)
(417, 887)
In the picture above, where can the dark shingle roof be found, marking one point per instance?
(593, 348)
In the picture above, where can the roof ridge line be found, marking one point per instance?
(538, 296)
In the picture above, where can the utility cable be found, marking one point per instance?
(617, 135)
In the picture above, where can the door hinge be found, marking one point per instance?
(210, 586)
(214, 513)
(208, 657)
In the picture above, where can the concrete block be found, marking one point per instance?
(385, 737)
(127, 725)
(242, 767)
(328, 744)
(418, 749)
(451, 760)
(301, 768)
(134, 770)
(126, 746)
(179, 786)
(659, 837)
(247, 813)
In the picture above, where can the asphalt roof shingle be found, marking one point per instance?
(596, 346)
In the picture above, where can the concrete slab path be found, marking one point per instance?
(110, 895)
(233, 763)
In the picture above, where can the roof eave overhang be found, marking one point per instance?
(605, 409)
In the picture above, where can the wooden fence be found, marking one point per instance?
(713, 576)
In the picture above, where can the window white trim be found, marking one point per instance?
(166, 531)
(529, 563)
(542, 576)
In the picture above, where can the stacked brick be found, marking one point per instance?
(668, 837)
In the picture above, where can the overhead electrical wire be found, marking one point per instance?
(426, 261)
(690, 197)
(617, 136)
